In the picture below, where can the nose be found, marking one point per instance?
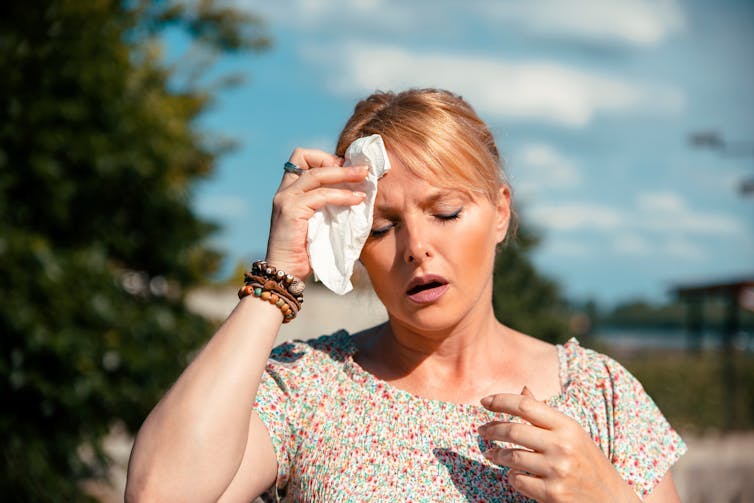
(416, 248)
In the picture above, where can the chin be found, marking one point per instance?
(427, 319)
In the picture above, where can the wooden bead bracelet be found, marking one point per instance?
(274, 286)
(289, 312)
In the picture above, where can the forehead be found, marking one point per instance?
(444, 167)
(400, 185)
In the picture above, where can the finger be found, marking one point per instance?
(306, 158)
(319, 177)
(518, 459)
(319, 198)
(536, 412)
(525, 435)
(528, 484)
(527, 392)
(291, 169)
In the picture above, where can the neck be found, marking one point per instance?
(454, 353)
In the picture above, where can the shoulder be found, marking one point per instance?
(611, 404)
(586, 367)
(598, 381)
(334, 344)
(324, 349)
(303, 369)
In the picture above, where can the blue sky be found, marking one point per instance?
(591, 102)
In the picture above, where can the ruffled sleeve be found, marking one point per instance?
(276, 407)
(289, 393)
(622, 418)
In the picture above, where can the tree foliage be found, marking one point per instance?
(524, 299)
(99, 152)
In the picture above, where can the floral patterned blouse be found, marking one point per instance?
(341, 434)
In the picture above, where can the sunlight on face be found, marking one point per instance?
(431, 251)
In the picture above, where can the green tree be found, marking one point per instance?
(524, 299)
(99, 151)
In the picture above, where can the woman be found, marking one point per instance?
(442, 402)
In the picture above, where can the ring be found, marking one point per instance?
(289, 167)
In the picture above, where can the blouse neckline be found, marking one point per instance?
(365, 378)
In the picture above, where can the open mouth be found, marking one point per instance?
(427, 289)
(423, 287)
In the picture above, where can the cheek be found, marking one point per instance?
(472, 257)
(474, 244)
(376, 259)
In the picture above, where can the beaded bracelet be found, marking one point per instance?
(275, 286)
(294, 285)
(280, 302)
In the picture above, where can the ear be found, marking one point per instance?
(502, 213)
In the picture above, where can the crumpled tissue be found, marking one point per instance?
(338, 233)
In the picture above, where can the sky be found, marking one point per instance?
(591, 102)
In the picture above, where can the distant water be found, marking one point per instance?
(634, 338)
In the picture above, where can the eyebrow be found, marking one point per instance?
(427, 201)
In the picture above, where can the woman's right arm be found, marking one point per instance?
(193, 442)
(202, 442)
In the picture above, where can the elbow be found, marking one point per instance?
(140, 486)
(145, 480)
(159, 493)
(135, 495)
(138, 492)
(136, 480)
(147, 486)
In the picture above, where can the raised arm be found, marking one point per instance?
(202, 442)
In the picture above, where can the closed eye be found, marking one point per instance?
(447, 217)
(380, 231)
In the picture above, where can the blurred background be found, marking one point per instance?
(141, 143)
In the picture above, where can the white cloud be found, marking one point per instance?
(538, 166)
(343, 17)
(576, 216)
(223, 206)
(636, 22)
(547, 91)
(632, 244)
(684, 249)
(669, 212)
(569, 248)
(655, 212)
(661, 202)
(660, 224)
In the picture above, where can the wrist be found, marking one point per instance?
(625, 492)
(274, 286)
(293, 262)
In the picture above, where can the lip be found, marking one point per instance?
(430, 294)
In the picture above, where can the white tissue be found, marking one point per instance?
(338, 233)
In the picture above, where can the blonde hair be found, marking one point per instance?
(435, 134)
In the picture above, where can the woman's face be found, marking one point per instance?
(431, 251)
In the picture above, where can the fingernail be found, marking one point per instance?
(489, 453)
(486, 401)
(527, 392)
(481, 429)
(361, 195)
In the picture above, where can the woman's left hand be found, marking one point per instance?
(557, 460)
